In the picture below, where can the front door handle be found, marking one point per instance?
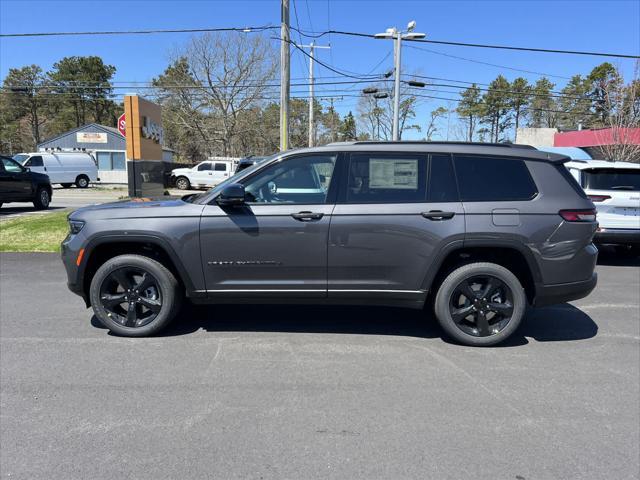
(307, 216)
(438, 215)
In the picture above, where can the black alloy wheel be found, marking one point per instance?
(481, 306)
(131, 296)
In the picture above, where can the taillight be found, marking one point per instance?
(578, 215)
(598, 198)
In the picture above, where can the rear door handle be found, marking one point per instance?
(307, 216)
(438, 215)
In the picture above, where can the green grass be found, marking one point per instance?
(34, 233)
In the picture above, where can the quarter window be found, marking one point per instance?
(483, 179)
(304, 180)
(385, 178)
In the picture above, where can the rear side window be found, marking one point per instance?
(612, 179)
(387, 178)
(35, 161)
(484, 179)
(220, 167)
(442, 181)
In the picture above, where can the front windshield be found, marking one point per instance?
(20, 158)
(233, 179)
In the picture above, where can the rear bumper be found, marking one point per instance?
(564, 292)
(624, 236)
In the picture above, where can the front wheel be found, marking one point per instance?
(480, 304)
(42, 199)
(134, 296)
(183, 183)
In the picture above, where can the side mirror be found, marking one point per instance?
(232, 194)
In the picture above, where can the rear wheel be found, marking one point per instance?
(183, 183)
(134, 296)
(480, 304)
(82, 181)
(42, 198)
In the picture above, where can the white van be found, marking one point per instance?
(65, 168)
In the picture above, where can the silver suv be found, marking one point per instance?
(475, 232)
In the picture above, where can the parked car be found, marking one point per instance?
(18, 184)
(65, 168)
(474, 231)
(614, 188)
(205, 174)
(247, 162)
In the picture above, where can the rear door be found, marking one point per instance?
(396, 213)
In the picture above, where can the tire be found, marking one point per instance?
(42, 199)
(82, 181)
(163, 289)
(66, 185)
(183, 183)
(502, 315)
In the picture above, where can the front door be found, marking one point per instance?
(15, 182)
(276, 244)
(395, 213)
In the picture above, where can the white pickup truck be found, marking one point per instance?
(204, 175)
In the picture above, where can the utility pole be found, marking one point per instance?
(398, 36)
(285, 75)
(312, 127)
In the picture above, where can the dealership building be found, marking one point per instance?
(106, 144)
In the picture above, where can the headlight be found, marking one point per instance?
(75, 226)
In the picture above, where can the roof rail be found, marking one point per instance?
(425, 142)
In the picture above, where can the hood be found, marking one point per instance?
(123, 206)
(181, 170)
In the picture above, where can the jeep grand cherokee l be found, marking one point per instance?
(475, 232)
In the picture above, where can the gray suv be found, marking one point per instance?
(475, 231)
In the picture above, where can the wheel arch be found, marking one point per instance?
(99, 251)
(510, 255)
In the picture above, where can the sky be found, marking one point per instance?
(605, 26)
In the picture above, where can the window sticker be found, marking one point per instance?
(393, 174)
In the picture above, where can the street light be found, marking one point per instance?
(398, 36)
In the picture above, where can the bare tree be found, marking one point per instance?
(622, 121)
(376, 115)
(214, 82)
(432, 123)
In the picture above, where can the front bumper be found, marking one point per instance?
(618, 236)
(564, 292)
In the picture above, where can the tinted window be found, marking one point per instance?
(204, 166)
(482, 179)
(296, 180)
(612, 179)
(220, 167)
(35, 161)
(442, 181)
(385, 178)
(11, 166)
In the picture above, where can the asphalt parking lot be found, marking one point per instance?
(304, 392)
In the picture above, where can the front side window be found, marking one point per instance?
(11, 166)
(304, 180)
(483, 178)
(204, 166)
(387, 178)
(220, 167)
(35, 161)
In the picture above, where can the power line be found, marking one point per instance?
(542, 74)
(320, 34)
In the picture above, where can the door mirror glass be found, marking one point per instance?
(232, 194)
